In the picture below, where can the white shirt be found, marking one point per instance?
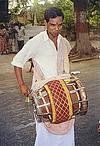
(42, 50)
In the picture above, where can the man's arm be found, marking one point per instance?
(23, 88)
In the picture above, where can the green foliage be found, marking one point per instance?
(93, 13)
(15, 10)
(67, 7)
(40, 13)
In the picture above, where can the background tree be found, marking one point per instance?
(83, 45)
(35, 3)
(14, 12)
(94, 14)
(40, 13)
(20, 7)
(67, 7)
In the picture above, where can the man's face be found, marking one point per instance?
(54, 26)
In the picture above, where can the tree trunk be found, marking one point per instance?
(35, 18)
(83, 45)
(35, 9)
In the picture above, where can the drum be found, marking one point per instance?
(60, 100)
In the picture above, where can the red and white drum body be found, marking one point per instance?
(59, 100)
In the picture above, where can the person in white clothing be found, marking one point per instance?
(20, 36)
(44, 51)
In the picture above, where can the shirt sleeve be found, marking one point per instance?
(27, 52)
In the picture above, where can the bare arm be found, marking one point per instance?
(23, 88)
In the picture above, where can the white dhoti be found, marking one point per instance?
(45, 138)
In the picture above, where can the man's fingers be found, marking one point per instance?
(26, 94)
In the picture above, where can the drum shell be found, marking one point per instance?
(79, 104)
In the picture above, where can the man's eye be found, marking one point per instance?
(52, 24)
(60, 24)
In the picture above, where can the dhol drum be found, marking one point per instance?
(60, 100)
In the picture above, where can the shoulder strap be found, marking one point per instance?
(66, 59)
(62, 58)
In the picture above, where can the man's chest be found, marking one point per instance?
(46, 51)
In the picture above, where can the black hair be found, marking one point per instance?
(53, 12)
(2, 26)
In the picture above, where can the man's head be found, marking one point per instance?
(53, 21)
(53, 12)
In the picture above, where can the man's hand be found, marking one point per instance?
(24, 90)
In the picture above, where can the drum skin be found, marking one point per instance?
(59, 100)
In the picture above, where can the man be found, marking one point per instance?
(47, 52)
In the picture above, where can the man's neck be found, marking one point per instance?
(54, 39)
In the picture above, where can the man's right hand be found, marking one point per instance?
(24, 90)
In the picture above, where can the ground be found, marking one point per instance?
(17, 126)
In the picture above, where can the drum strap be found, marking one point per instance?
(62, 58)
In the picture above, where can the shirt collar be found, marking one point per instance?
(47, 38)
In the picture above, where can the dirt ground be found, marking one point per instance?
(17, 127)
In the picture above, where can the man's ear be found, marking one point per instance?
(45, 23)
